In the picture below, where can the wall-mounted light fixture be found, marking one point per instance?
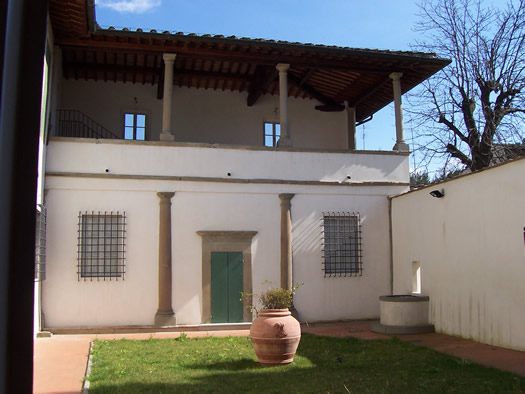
(438, 193)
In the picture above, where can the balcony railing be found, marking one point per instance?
(72, 123)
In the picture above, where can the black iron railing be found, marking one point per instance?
(72, 123)
(40, 243)
(101, 247)
(342, 254)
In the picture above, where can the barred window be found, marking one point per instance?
(101, 245)
(342, 244)
(40, 243)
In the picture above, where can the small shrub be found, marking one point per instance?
(182, 337)
(276, 298)
(273, 298)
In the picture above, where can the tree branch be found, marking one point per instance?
(453, 128)
(455, 152)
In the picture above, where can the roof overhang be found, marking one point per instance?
(333, 76)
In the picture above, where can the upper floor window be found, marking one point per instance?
(134, 126)
(272, 133)
(342, 244)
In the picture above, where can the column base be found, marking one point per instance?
(401, 147)
(166, 136)
(163, 319)
(284, 143)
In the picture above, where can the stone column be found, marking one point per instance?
(167, 133)
(400, 145)
(283, 104)
(286, 240)
(165, 315)
(350, 115)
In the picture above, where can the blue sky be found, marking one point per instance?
(381, 24)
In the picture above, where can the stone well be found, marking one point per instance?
(403, 314)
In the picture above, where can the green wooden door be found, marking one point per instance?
(226, 287)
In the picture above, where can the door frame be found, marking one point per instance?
(226, 241)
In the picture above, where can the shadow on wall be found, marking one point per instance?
(307, 234)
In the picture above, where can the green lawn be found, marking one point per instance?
(322, 365)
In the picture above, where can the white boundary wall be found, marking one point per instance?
(470, 246)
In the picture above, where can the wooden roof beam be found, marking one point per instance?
(120, 68)
(370, 92)
(260, 82)
(342, 64)
(305, 77)
(326, 101)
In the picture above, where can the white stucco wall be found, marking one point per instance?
(470, 245)
(160, 159)
(211, 206)
(210, 116)
(203, 206)
(341, 298)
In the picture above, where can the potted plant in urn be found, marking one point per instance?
(275, 333)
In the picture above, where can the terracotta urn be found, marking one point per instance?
(275, 336)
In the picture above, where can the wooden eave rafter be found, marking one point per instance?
(122, 68)
(329, 75)
(245, 56)
(369, 92)
(328, 102)
(72, 18)
(260, 82)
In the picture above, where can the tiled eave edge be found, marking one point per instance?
(219, 180)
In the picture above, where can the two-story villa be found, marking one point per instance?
(182, 169)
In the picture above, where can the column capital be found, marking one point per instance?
(282, 67)
(286, 196)
(165, 195)
(169, 57)
(396, 76)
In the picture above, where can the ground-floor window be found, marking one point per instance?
(342, 244)
(101, 245)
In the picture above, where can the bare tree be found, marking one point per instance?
(478, 101)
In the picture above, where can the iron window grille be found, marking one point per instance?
(272, 133)
(40, 243)
(342, 255)
(101, 245)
